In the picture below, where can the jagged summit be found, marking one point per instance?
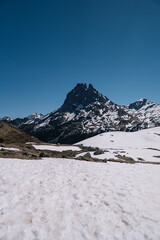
(138, 104)
(141, 104)
(85, 113)
(81, 96)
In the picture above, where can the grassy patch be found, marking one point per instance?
(10, 134)
(126, 159)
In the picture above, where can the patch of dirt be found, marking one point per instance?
(156, 156)
(27, 151)
(140, 159)
(155, 149)
(126, 159)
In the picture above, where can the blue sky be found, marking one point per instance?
(47, 47)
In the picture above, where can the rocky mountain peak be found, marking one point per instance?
(6, 118)
(138, 104)
(35, 115)
(81, 96)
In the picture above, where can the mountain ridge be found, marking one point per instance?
(85, 113)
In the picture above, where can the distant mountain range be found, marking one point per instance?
(85, 113)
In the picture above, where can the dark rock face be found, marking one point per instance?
(80, 97)
(85, 113)
(138, 104)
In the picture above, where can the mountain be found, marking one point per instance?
(85, 113)
(10, 134)
(146, 111)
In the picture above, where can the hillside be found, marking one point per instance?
(10, 134)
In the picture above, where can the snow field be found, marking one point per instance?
(61, 199)
(144, 144)
(56, 148)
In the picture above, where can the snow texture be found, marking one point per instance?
(65, 199)
(142, 145)
(10, 149)
(57, 148)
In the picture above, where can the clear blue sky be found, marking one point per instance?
(47, 47)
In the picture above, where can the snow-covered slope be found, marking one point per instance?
(58, 148)
(142, 145)
(66, 199)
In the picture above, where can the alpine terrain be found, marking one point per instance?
(85, 113)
